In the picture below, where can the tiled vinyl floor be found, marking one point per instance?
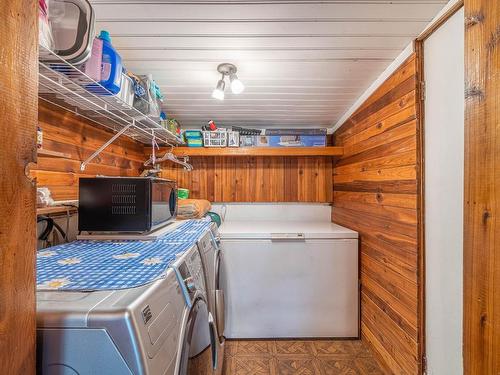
(290, 357)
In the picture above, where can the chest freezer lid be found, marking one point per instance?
(284, 229)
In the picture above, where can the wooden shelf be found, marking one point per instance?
(54, 154)
(55, 210)
(259, 151)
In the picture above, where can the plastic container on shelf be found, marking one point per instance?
(193, 138)
(126, 93)
(111, 67)
(192, 134)
(182, 193)
(217, 138)
(147, 97)
(163, 120)
(233, 139)
(92, 66)
(173, 125)
(194, 142)
(248, 140)
(72, 24)
(45, 37)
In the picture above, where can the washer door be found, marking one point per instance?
(219, 297)
(199, 352)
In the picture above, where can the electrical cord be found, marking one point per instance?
(68, 216)
(48, 228)
(51, 224)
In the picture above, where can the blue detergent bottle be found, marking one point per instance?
(111, 67)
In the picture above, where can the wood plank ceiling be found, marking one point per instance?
(304, 63)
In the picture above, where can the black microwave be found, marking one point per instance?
(125, 204)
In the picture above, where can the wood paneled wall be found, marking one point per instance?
(74, 136)
(256, 179)
(218, 179)
(18, 103)
(482, 188)
(376, 193)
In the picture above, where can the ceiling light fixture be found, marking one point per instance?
(237, 87)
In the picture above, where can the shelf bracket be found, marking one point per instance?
(100, 149)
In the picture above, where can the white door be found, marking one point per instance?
(444, 174)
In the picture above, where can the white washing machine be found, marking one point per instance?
(208, 246)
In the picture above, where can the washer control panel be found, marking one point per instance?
(193, 263)
(205, 243)
(215, 232)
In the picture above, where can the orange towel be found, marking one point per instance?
(192, 208)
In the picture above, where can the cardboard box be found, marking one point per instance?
(282, 141)
(293, 141)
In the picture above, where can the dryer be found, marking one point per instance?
(211, 254)
(128, 331)
(198, 350)
(164, 327)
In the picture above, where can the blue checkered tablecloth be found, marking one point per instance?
(190, 231)
(109, 265)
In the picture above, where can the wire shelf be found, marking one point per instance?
(65, 86)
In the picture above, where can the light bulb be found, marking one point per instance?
(237, 86)
(218, 92)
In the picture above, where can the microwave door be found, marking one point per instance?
(163, 197)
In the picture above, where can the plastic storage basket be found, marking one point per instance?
(233, 139)
(146, 102)
(194, 138)
(215, 138)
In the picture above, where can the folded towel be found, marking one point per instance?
(192, 208)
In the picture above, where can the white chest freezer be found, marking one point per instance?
(290, 279)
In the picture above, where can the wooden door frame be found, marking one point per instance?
(419, 105)
(481, 319)
(18, 120)
(481, 270)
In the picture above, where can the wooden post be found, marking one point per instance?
(18, 118)
(482, 188)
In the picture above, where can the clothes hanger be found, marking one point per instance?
(169, 155)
